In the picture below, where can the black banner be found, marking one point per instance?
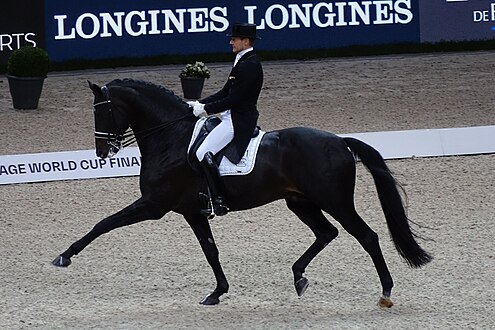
(21, 24)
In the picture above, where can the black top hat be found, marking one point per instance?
(244, 30)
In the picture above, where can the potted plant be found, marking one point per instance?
(26, 71)
(192, 78)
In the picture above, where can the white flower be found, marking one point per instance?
(198, 69)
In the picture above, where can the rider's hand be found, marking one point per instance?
(192, 103)
(199, 109)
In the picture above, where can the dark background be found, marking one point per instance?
(21, 17)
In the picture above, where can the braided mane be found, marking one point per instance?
(150, 89)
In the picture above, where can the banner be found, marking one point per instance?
(67, 165)
(457, 20)
(96, 29)
(101, 29)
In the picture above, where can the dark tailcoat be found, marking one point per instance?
(240, 94)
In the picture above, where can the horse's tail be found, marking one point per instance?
(392, 204)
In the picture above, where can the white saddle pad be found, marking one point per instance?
(246, 164)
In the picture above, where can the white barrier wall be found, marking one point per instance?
(84, 164)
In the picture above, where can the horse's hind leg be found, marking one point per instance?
(355, 225)
(324, 231)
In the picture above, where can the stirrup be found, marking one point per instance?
(214, 208)
(208, 211)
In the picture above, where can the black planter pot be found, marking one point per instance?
(192, 87)
(25, 91)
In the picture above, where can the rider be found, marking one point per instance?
(236, 105)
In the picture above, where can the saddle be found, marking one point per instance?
(206, 127)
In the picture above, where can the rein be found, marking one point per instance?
(117, 141)
(152, 130)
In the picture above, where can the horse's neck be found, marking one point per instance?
(169, 139)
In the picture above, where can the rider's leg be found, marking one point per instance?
(210, 169)
(218, 138)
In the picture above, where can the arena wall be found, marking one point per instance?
(102, 30)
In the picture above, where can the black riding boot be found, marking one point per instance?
(210, 169)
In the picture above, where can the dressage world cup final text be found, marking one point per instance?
(69, 165)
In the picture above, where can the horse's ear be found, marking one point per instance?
(94, 87)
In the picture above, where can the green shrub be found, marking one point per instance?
(28, 61)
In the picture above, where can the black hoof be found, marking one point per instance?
(61, 261)
(209, 301)
(301, 286)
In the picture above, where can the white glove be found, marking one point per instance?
(192, 103)
(199, 109)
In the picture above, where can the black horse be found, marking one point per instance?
(312, 170)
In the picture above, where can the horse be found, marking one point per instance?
(314, 171)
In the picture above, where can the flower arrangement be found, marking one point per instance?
(198, 69)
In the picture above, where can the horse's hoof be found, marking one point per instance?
(301, 286)
(209, 301)
(61, 261)
(385, 302)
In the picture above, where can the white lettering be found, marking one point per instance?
(250, 17)
(5, 41)
(177, 22)
(16, 40)
(79, 26)
(31, 41)
(478, 15)
(341, 14)
(154, 22)
(198, 17)
(296, 12)
(329, 16)
(357, 10)
(197, 20)
(215, 18)
(142, 24)
(116, 25)
(383, 9)
(284, 18)
(403, 11)
(60, 29)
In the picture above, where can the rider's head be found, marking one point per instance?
(242, 37)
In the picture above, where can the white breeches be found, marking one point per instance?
(219, 137)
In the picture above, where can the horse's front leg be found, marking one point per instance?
(138, 211)
(202, 230)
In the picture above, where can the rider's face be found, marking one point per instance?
(239, 44)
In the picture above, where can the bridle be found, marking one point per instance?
(116, 140)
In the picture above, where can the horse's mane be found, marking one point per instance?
(150, 89)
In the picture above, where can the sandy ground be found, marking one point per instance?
(152, 275)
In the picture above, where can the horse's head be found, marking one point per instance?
(110, 122)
